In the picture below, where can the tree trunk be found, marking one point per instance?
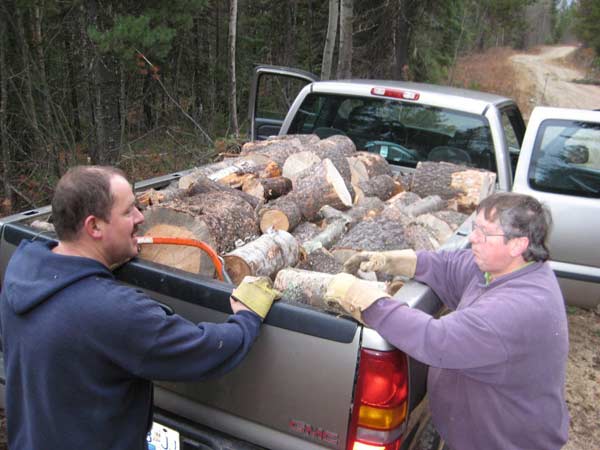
(402, 32)
(264, 256)
(233, 5)
(332, 25)
(344, 70)
(4, 138)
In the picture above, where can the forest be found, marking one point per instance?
(152, 86)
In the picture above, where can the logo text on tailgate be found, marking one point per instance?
(308, 430)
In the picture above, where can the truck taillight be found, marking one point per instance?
(395, 93)
(380, 401)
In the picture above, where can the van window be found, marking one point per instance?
(566, 158)
(404, 133)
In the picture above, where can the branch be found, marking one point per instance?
(175, 101)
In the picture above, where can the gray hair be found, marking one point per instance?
(520, 215)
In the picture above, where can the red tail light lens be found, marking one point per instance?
(395, 93)
(380, 402)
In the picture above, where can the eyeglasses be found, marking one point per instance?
(481, 233)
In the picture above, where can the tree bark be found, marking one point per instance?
(309, 288)
(264, 256)
(344, 70)
(229, 219)
(465, 186)
(267, 188)
(4, 138)
(105, 94)
(233, 6)
(332, 25)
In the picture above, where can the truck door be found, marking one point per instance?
(560, 165)
(273, 92)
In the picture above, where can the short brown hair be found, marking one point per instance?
(520, 215)
(81, 192)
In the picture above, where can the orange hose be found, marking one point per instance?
(191, 243)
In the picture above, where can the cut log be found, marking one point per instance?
(227, 218)
(151, 196)
(324, 186)
(281, 214)
(203, 185)
(267, 188)
(374, 164)
(375, 234)
(169, 222)
(450, 181)
(337, 144)
(326, 238)
(425, 205)
(453, 218)
(358, 171)
(257, 146)
(298, 162)
(320, 260)
(419, 237)
(216, 171)
(440, 230)
(309, 288)
(381, 186)
(279, 150)
(305, 231)
(264, 256)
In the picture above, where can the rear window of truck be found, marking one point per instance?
(402, 132)
(566, 158)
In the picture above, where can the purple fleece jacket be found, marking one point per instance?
(498, 361)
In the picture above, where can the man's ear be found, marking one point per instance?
(518, 245)
(92, 226)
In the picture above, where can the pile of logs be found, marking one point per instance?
(294, 208)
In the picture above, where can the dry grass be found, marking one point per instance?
(493, 72)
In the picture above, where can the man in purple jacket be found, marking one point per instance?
(498, 360)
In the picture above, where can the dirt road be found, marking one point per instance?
(553, 79)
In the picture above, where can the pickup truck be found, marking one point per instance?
(318, 381)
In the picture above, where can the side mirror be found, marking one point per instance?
(575, 154)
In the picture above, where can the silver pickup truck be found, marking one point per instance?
(318, 381)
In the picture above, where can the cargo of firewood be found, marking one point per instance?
(296, 207)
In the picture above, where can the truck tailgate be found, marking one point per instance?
(293, 391)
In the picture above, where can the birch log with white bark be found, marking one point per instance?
(264, 256)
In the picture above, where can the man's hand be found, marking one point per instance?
(352, 294)
(393, 262)
(256, 294)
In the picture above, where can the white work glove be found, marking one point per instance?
(352, 294)
(393, 262)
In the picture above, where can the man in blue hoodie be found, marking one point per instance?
(80, 349)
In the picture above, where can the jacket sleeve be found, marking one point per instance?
(447, 273)
(460, 340)
(148, 343)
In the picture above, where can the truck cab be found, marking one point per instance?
(402, 121)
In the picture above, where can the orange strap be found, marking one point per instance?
(190, 243)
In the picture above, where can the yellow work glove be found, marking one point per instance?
(352, 294)
(257, 294)
(393, 262)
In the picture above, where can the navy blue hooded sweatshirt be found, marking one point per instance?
(80, 350)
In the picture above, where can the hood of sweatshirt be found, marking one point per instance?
(34, 274)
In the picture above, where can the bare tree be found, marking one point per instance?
(6, 167)
(344, 69)
(232, 87)
(332, 25)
